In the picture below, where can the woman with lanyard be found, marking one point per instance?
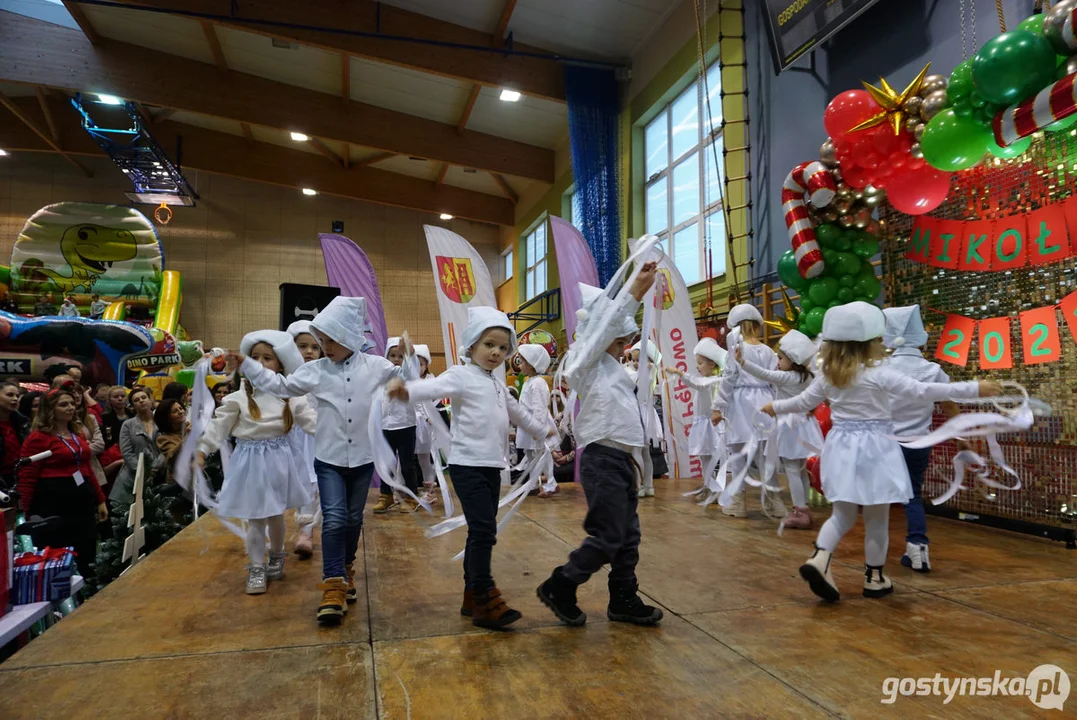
(63, 484)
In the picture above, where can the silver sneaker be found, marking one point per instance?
(256, 579)
(275, 569)
(916, 557)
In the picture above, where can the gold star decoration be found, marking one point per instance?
(792, 316)
(892, 102)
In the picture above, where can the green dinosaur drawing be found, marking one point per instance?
(90, 250)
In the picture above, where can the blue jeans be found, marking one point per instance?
(343, 494)
(915, 517)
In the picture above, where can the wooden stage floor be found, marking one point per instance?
(743, 637)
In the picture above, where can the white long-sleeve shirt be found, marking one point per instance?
(787, 383)
(868, 396)
(343, 392)
(535, 398)
(912, 416)
(609, 409)
(481, 411)
(397, 414)
(734, 377)
(233, 418)
(706, 392)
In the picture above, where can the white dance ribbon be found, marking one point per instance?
(385, 460)
(966, 459)
(764, 430)
(441, 440)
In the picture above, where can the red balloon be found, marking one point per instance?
(886, 142)
(822, 414)
(813, 474)
(848, 110)
(898, 160)
(855, 176)
(915, 192)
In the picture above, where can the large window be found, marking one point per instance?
(683, 204)
(576, 211)
(535, 253)
(506, 265)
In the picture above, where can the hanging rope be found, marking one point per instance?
(964, 43)
(1001, 16)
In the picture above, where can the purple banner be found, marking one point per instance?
(347, 267)
(575, 264)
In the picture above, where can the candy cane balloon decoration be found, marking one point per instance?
(815, 179)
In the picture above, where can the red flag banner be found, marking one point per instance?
(975, 244)
(956, 339)
(1039, 335)
(1069, 311)
(946, 244)
(1009, 245)
(995, 341)
(1047, 240)
(1069, 208)
(919, 247)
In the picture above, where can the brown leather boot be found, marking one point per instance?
(467, 607)
(334, 605)
(352, 595)
(492, 612)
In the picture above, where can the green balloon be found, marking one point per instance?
(1063, 124)
(813, 321)
(827, 234)
(830, 257)
(866, 246)
(867, 270)
(960, 85)
(963, 110)
(868, 287)
(1013, 66)
(806, 304)
(1033, 24)
(953, 143)
(787, 271)
(848, 264)
(833, 303)
(1010, 151)
(846, 294)
(848, 281)
(823, 290)
(843, 243)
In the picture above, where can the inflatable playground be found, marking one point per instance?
(83, 250)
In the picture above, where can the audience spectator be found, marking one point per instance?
(68, 307)
(138, 438)
(14, 427)
(44, 306)
(97, 307)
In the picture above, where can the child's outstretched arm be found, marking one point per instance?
(536, 424)
(445, 385)
(777, 378)
(898, 384)
(805, 402)
(301, 382)
(219, 428)
(694, 381)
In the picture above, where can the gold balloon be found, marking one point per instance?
(873, 227)
(846, 221)
(933, 104)
(1053, 24)
(912, 105)
(873, 200)
(836, 174)
(842, 205)
(860, 224)
(829, 216)
(1071, 65)
(918, 132)
(872, 190)
(858, 195)
(863, 215)
(916, 152)
(932, 83)
(911, 123)
(827, 154)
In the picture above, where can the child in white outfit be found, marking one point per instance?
(705, 440)
(796, 352)
(861, 464)
(535, 397)
(308, 516)
(263, 478)
(739, 396)
(424, 432)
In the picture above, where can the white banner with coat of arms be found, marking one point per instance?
(674, 332)
(462, 280)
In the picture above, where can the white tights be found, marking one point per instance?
(738, 461)
(426, 464)
(798, 481)
(876, 530)
(256, 538)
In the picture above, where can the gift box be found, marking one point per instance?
(44, 576)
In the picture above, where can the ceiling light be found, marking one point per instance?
(510, 95)
(300, 137)
(109, 100)
(3, 152)
(446, 216)
(310, 192)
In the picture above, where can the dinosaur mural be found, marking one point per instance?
(90, 250)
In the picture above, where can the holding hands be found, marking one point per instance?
(397, 390)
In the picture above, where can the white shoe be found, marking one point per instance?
(916, 557)
(737, 508)
(817, 573)
(256, 579)
(876, 585)
(773, 507)
(649, 491)
(275, 569)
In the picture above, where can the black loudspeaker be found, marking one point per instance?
(338, 226)
(303, 302)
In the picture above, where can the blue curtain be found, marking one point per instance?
(593, 110)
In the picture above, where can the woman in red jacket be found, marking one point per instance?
(64, 484)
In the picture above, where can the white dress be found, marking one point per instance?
(795, 442)
(740, 394)
(705, 438)
(535, 397)
(264, 477)
(861, 461)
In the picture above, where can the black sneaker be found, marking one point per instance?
(559, 594)
(626, 606)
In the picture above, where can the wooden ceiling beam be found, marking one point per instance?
(214, 45)
(83, 22)
(224, 154)
(506, 188)
(38, 53)
(327, 151)
(21, 113)
(248, 135)
(497, 39)
(163, 114)
(373, 159)
(355, 24)
(346, 78)
(441, 174)
(43, 101)
(468, 108)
